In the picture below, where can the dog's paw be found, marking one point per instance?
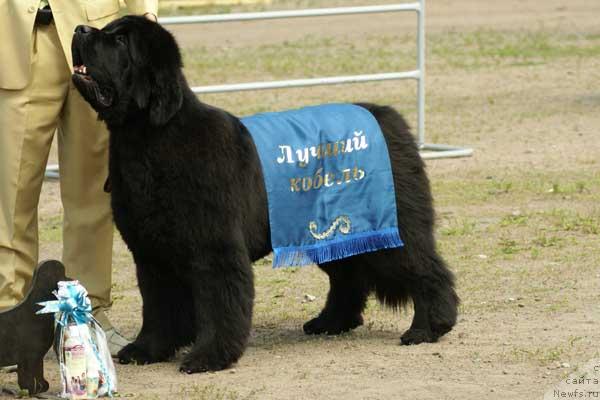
(417, 336)
(42, 386)
(193, 364)
(440, 330)
(331, 326)
(135, 354)
(36, 386)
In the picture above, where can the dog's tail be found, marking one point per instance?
(404, 151)
(396, 130)
(387, 115)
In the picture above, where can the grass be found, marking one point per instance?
(50, 229)
(307, 57)
(459, 228)
(551, 354)
(322, 55)
(197, 392)
(213, 392)
(486, 48)
(500, 242)
(577, 185)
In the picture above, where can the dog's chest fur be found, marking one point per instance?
(137, 202)
(176, 193)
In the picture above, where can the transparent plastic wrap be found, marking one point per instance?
(86, 367)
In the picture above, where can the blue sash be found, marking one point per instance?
(329, 183)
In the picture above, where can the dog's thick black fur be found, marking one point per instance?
(189, 200)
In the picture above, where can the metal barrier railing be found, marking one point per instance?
(428, 150)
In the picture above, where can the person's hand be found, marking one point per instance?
(152, 17)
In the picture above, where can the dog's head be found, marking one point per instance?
(131, 66)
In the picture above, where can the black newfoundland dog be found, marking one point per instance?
(189, 200)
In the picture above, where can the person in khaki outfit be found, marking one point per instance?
(37, 98)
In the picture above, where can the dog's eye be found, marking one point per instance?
(121, 39)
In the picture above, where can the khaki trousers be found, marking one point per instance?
(28, 120)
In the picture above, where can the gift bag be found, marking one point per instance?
(86, 367)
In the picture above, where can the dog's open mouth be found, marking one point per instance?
(79, 66)
(102, 95)
(83, 77)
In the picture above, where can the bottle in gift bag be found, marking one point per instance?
(86, 367)
(93, 375)
(75, 362)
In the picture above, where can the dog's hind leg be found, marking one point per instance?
(420, 328)
(435, 307)
(346, 300)
(443, 300)
(420, 275)
(223, 294)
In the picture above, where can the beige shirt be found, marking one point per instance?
(17, 23)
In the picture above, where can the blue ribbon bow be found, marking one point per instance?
(72, 302)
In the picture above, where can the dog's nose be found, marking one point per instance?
(83, 29)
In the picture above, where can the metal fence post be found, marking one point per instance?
(421, 68)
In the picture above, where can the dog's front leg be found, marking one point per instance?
(223, 293)
(167, 317)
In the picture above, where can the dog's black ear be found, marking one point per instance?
(166, 96)
(158, 82)
(139, 85)
(138, 54)
(140, 90)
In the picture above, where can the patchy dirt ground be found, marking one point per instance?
(519, 222)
